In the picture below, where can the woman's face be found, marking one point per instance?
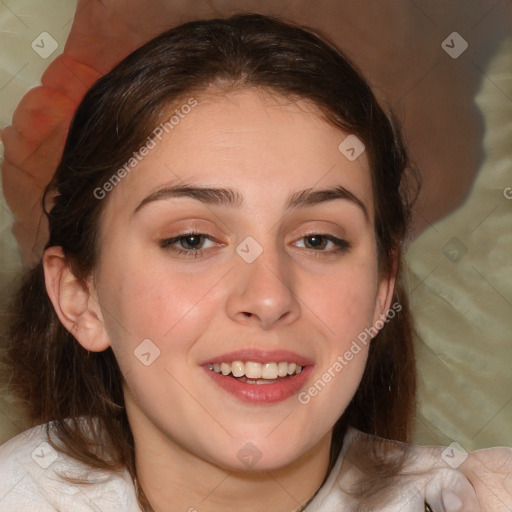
(276, 275)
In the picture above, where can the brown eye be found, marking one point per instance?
(320, 242)
(189, 244)
(191, 241)
(316, 241)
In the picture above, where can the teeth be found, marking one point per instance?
(252, 370)
(269, 371)
(282, 369)
(237, 369)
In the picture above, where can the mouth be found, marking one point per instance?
(262, 381)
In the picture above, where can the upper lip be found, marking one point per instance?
(259, 356)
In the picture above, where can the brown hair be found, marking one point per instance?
(62, 382)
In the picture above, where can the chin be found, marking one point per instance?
(240, 455)
(250, 460)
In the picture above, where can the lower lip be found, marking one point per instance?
(262, 393)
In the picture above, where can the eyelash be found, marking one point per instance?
(343, 245)
(192, 253)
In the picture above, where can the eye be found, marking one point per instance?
(192, 241)
(319, 242)
(188, 244)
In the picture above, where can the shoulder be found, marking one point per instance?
(389, 476)
(31, 473)
(449, 478)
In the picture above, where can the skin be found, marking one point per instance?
(291, 297)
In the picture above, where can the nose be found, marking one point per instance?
(263, 292)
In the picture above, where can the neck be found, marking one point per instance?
(173, 479)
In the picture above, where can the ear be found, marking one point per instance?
(386, 288)
(74, 302)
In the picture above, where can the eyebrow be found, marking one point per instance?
(234, 199)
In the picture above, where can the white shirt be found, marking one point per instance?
(29, 481)
(30, 467)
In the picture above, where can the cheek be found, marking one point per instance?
(345, 301)
(344, 309)
(145, 301)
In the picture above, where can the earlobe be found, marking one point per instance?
(74, 303)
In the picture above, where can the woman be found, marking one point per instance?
(219, 309)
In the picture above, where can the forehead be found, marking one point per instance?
(262, 144)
